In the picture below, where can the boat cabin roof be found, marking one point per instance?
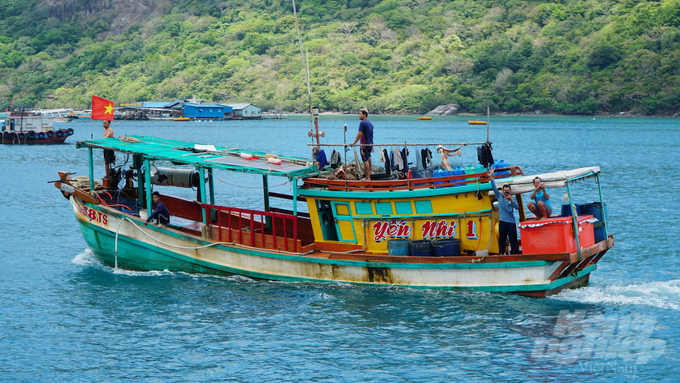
(525, 184)
(209, 156)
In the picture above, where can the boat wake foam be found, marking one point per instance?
(664, 295)
(88, 259)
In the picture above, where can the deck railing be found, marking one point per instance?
(239, 214)
(411, 183)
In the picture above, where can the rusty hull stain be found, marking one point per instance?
(379, 275)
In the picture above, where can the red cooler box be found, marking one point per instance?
(555, 235)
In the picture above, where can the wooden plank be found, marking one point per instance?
(446, 260)
(287, 196)
(558, 271)
(286, 211)
(183, 208)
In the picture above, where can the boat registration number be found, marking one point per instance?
(94, 215)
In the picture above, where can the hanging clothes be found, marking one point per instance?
(382, 154)
(484, 155)
(427, 158)
(404, 159)
(321, 159)
(386, 159)
(419, 160)
(397, 160)
(335, 160)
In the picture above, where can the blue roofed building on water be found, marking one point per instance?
(208, 111)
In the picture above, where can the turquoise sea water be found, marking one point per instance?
(66, 317)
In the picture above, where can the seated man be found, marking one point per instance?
(540, 207)
(160, 212)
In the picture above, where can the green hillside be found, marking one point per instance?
(570, 57)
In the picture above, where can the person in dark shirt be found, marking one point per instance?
(365, 135)
(160, 212)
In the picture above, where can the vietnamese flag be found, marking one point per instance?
(102, 109)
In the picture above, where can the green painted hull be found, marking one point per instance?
(133, 254)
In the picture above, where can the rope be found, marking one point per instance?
(130, 140)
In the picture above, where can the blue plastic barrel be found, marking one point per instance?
(422, 248)
(438, 173)
(449, 247)
(566, 210)
(500, 165)
(401, 247)
(458, 171)
(599, 211)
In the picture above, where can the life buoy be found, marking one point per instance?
(69, 131)
(40, 135)
(30, 134)
(49, 134)
(22, 135)
(60, 133)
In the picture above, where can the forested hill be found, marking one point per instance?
(570, 57)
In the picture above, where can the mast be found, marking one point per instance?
(313, 114)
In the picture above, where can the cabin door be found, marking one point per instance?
(344, 222)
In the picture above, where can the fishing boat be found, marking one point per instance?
(60, 115)
(424, 233)
(32, 127)
(425, 118)
(476, 122)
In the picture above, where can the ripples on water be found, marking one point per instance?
(67, 317)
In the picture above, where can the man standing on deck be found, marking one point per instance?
(365, 135)
(506, 210)
(109, 155)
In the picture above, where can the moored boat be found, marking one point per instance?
(60, 115)
(32, 127)
(425, 118)
(445, 228)
(476, 122)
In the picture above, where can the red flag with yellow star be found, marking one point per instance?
(102, 109)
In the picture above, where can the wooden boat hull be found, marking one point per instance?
(36, 141)
(142, 247)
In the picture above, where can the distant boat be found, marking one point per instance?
(275, 115)
(160, 118)
(425, 118)
(60, 115)
(32, 127)
(181, 119)
(84, 113)
(477, 122)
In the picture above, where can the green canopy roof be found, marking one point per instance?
(208, 156)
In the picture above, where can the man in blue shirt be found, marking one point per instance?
(506, 209)
(365, 135)
(160, 212)
(541, 206)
